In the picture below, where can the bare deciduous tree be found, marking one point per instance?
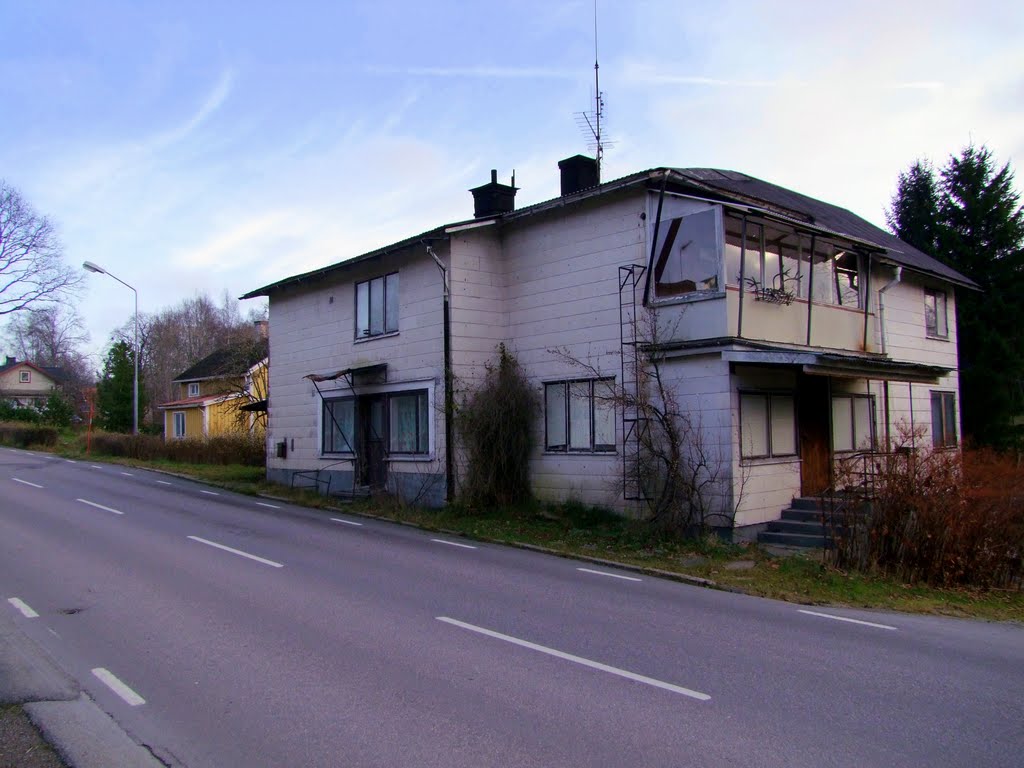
(685, 475)
(32, 268)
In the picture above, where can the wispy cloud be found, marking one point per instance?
(481, 72)
(213, 101)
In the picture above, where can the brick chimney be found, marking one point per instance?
(494, 199)
(578, 173)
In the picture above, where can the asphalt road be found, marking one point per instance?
(224, 630)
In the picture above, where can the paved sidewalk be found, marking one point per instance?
(78, 730)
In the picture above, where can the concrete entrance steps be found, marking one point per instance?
(799, 526)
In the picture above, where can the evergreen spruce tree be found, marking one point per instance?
(979, 231)
(114, 391)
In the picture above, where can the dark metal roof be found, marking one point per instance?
(711, 183)
(228, 361)
(746, 189)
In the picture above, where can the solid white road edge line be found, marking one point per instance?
(346, 522)
(131, 698)
(453, 544)
(578, 660)
(264, 504)
(238, 552)
(100, 506)
(210, 493)
(610, 575)
(843, 618)
(22, 606)
(25, 482)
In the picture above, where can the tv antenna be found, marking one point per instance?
(590, 121)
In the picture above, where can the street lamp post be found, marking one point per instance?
(135, 350)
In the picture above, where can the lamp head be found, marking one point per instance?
(94, 268)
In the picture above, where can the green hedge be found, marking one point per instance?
(232, 449)
(26, 435)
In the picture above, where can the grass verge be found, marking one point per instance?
(575, 530)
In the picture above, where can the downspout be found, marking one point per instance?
(449, 396)
(897, 278)
(882, 333)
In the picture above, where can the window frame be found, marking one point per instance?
(25, 377)
(423, 420)
(932, 329)
(671, 248)
(872, 414)
(390, 286)
(193, 389)
(178, 434)
(769, 395)
(941, 436)
(566, 447)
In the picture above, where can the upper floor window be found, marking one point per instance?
(688, 255)
(25, 377)
(193, 389)
(943, 419)
(579, 416)
(935, 322)
(377, 306)
(775, 257)
(853, 423)
(767, 425)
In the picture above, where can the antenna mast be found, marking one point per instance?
(590, 122)
(598, 101)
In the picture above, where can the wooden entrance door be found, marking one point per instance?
(813, 414)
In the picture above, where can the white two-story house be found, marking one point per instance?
(791, 330)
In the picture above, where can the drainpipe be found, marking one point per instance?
(881, 303)
(449, 396)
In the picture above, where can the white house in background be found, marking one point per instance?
(795, 330)
(27, 385)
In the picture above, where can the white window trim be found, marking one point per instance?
(872, 421)
(25, 377)
(386, 332)
(943, 394)
(934, 334)
(174, 425)
(415, 385)
(770, 456)
(593, 450)
(193, 389)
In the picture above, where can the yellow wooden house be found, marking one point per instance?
(224, 393)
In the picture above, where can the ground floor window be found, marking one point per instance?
(943, 419)
(579, 416)
(767, 424)
(179, 423)
(853, 422)
(339, 426)
(401, 420)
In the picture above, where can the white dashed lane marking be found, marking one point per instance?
(238, 552)
(25, 482)
(130, 697)
(849, 621)
(22, 606)
(578, 660)
(100, 506)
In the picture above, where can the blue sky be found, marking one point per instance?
(219, 146)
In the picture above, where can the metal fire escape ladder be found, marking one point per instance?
(634, 424)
